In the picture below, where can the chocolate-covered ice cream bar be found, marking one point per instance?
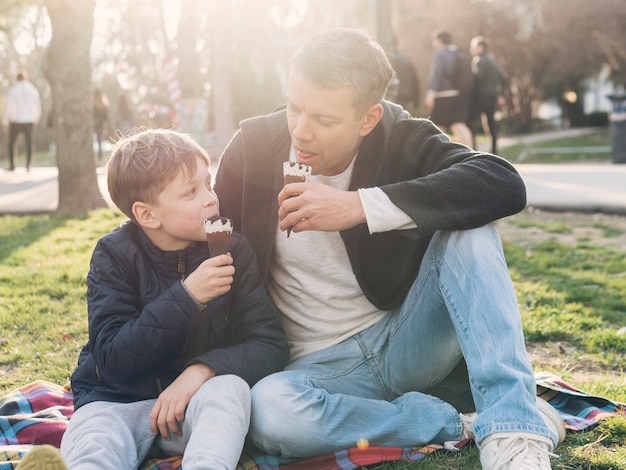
(295, 172)
(218, 231)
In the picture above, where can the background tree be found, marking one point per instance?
(67, 67)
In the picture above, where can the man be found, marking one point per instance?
(22, 110)
(448, 103)
(391, 275)
(489, 84)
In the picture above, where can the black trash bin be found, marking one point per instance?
(618, 126)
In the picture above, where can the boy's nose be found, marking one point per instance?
(210, 198)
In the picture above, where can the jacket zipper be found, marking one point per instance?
(181, 268)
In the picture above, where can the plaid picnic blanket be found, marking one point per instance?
(37, 413)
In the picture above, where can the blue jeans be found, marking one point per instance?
(372, 386)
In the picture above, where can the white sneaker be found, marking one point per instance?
(552, 418)
(516, 451)
(467, 419)
(466, 433)
(522, 450)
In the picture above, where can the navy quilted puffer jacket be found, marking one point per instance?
(144, 329)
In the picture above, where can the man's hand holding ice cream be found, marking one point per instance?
(294, 172)
(317, 206)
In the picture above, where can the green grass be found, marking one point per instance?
(574, 296)
(609, 232)
(550, 227)
(39, 158)
(44, 261)
(598, 138)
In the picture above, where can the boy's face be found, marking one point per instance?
(182, 207)
(326, 128)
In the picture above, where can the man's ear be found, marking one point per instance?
(144, 215)
(370, 119)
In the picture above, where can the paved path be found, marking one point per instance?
(35, 191)
(576, 187)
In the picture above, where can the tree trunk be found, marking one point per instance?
(67, 67)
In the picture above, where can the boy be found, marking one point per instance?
(175, 338)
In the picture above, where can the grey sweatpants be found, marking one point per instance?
(106, 435)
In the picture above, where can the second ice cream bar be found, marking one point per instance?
(218, 231)
(295, 172)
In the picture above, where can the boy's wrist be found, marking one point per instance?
(199, 304)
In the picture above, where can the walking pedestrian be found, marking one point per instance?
(488, 86)
(22, 111)
(100, 117)
(447, 96)
(404, 88)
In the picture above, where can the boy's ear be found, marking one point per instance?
(370, 119)
(144, 215)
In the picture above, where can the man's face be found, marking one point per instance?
(326, 129)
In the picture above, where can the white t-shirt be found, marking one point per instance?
(311, 279)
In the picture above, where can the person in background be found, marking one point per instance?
(22, 111)
(100, 118)
(393, 287)
(404, 88)
(488, 87)
(124, 115)
(448, 104)
(176, 337)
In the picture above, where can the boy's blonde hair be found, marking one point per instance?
(143, 163)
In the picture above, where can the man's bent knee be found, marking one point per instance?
(278, 421)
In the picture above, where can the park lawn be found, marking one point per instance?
(599, 137)
(574, 295)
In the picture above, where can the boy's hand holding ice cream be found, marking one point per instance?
(213, 278)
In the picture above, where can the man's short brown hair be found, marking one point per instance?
(346, 57)
(143, 163)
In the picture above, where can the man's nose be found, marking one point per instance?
(302, 129)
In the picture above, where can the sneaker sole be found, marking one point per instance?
(551, 417)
